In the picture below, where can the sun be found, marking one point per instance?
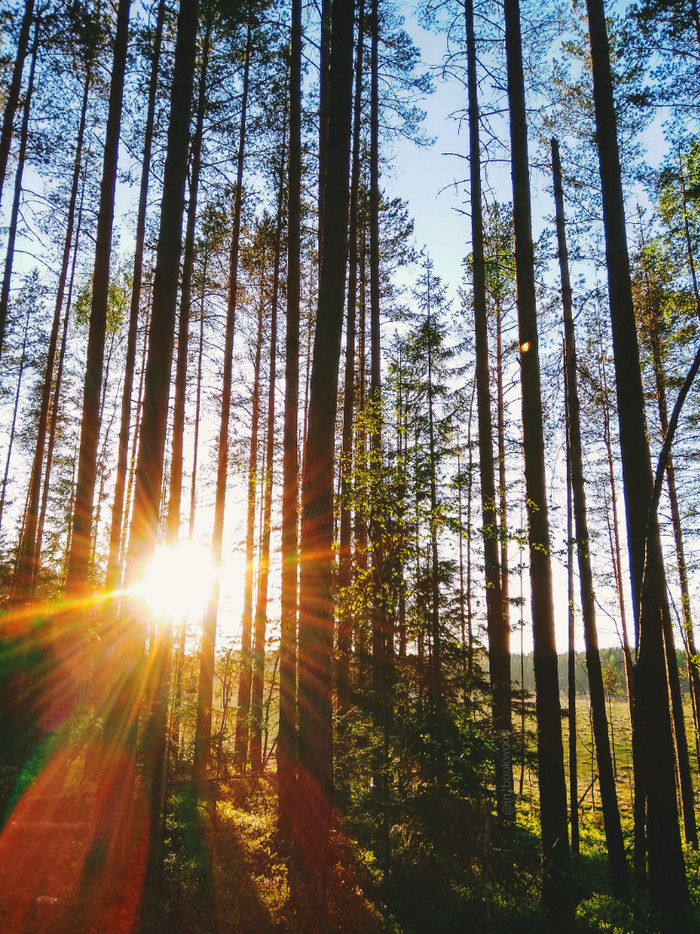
(177, 581)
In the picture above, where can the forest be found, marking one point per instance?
(342, 588)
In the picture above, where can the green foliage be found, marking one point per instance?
(662, 35)
(678, 191)
(604, 913)
(118, 299)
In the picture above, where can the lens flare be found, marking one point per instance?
(177, 581)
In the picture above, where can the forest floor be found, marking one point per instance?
(225, 870)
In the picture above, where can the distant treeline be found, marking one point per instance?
(613, 672)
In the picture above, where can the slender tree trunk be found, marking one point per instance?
(28, 556)
(360, 458)
(256, 752)
(615, 549)
(686, 782)
(619, 875)
(183, 335)
(13, 424)
(57, 384)
(502, 479)
(202, 741)
(78, 563)
(652, 735)
(686, 221)
(246, 673)
(573, 732)
(462, 599)
(497, 621)
(345, 622)
(683, 758)
(436, 674)
(286, 745)
(401, 468)
(309, 859)
(198, 399)
(12, 98)
(556, 890)
(14, 215)
(131, 474)
(151, 452)
(688, 633)
(470, 487)
(116, 528)
(382, 636)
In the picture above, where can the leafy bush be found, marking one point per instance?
(604, 913)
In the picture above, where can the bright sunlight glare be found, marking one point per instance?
(177, 581)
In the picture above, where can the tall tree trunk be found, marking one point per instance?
(497, 621)
(502, 478)
(57, 384)
(615, 549)
(202, 741)
(619, 875)
(151, 452)
(256, 751)
(571, 614)
(683, 758)
(345, 621)
(28, 556)
(246, 673)
(116, 528)
(470, 487)
(286, 752)
(556, 889)
(652, 735)
(78, 562)
(360, 456)
(309, 859)
(183, 334)
(436, 673)
(677, 711)
(688, 633)
(12, 98)
(198, 398)
(13, 424)
(14, 215)
(382, 636)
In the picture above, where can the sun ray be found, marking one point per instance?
(177, 581)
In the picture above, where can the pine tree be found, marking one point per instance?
(556, 891)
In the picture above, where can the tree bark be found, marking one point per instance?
(246, 672)
(27, 567)
(619, 874)
(556, 890)
(14, 215)
(12, 98)
(202, 742)
(309, 859)
(497, 621)
(345, 621)
(116, 527)
(151, 453)
(652, 735)
(55, 402)
(183, 334)
(13, 424)
(78, 562)
(286, 752)
(256, 751)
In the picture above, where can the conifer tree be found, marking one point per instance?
(652, 734)
(309, 860)
(556, 890)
